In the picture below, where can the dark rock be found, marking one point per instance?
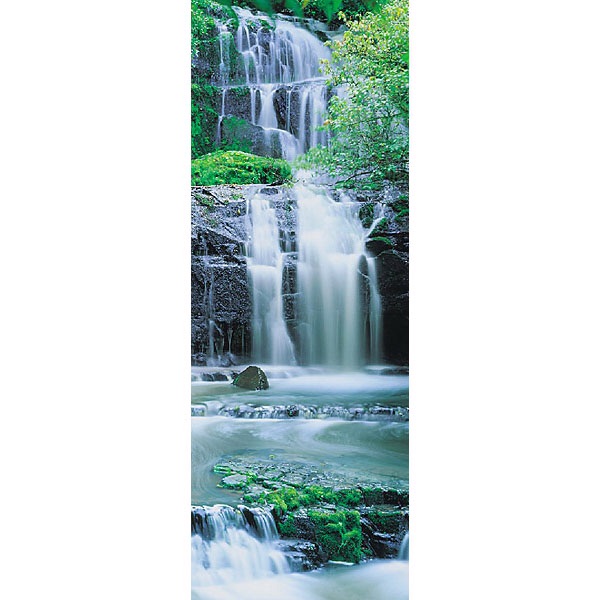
(252, 378)
(304, 555)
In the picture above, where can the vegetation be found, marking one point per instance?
(369, 122)
(339, 534)
(235, 167)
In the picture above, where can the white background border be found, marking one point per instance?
(94, 431)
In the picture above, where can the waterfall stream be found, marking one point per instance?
(316, 312)
(278, 63)
(271, 343)
(338, 309)
(230, 545)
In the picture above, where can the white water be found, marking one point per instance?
(376, 580)
(270, 341)
(337, 286)
(277, 57)
(226, 548)
(338, 303)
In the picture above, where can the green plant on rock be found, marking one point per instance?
(235, 167)
(366, 213)
(381, 227)
(384, 240)
(386, 521)
(287, 527)
(339, 534)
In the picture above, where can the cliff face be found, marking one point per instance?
(221, 296)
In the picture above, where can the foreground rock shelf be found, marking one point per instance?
(302, 411)
(320, 516)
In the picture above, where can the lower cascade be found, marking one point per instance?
(335, 319)
(230, 545)
(337, 290)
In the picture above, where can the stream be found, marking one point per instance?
(333, 417)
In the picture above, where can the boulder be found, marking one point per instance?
(252, 378)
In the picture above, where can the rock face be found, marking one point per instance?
(221, 297)
(252, 378)
(221, 305)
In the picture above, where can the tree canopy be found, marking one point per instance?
(368, 118)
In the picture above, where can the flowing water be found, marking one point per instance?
(277, 60)
(338, 308)
(331, 411)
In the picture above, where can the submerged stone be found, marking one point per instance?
(252, 378)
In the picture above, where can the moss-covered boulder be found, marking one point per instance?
(339, 534)
(252, 378)
(235, 167)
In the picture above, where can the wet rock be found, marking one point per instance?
(252, 378)
(304, 555)
(234, 481)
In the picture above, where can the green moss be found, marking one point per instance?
(348, 497)
(385, 240)
(222, 469)
(235, 167)
(386, 521)
(278, 503)
(400, 207)
(204, 118)
(380, 227)
(287, 527)
(366, 214)
(373, 496)
(339, 534)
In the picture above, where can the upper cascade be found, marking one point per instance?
(269, 50)
(270, 76)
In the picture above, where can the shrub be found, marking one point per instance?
(339, 534)
(235, 167)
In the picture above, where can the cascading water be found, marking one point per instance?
(403, 553)
(336, 283)
(230, 545)
(338, 321)
(270, 341)
(279, 64)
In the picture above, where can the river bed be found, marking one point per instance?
(350, 450)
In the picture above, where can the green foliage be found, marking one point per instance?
(386, 521)
(400, 207)
(339, 534)
(203, 22)
(287, 527)
(380, 227)
(369, 123)
(234, 167)
(204, 118)
(322, 10)
(366, 213)
(284, 500)
(383, 239)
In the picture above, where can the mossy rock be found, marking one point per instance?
(339, 534)
(235, 167)
(252, 378)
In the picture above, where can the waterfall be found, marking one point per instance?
(270, 340)
(279, 64)
(337, 307)
(403, 553)
(337, 287)
(230, 545)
